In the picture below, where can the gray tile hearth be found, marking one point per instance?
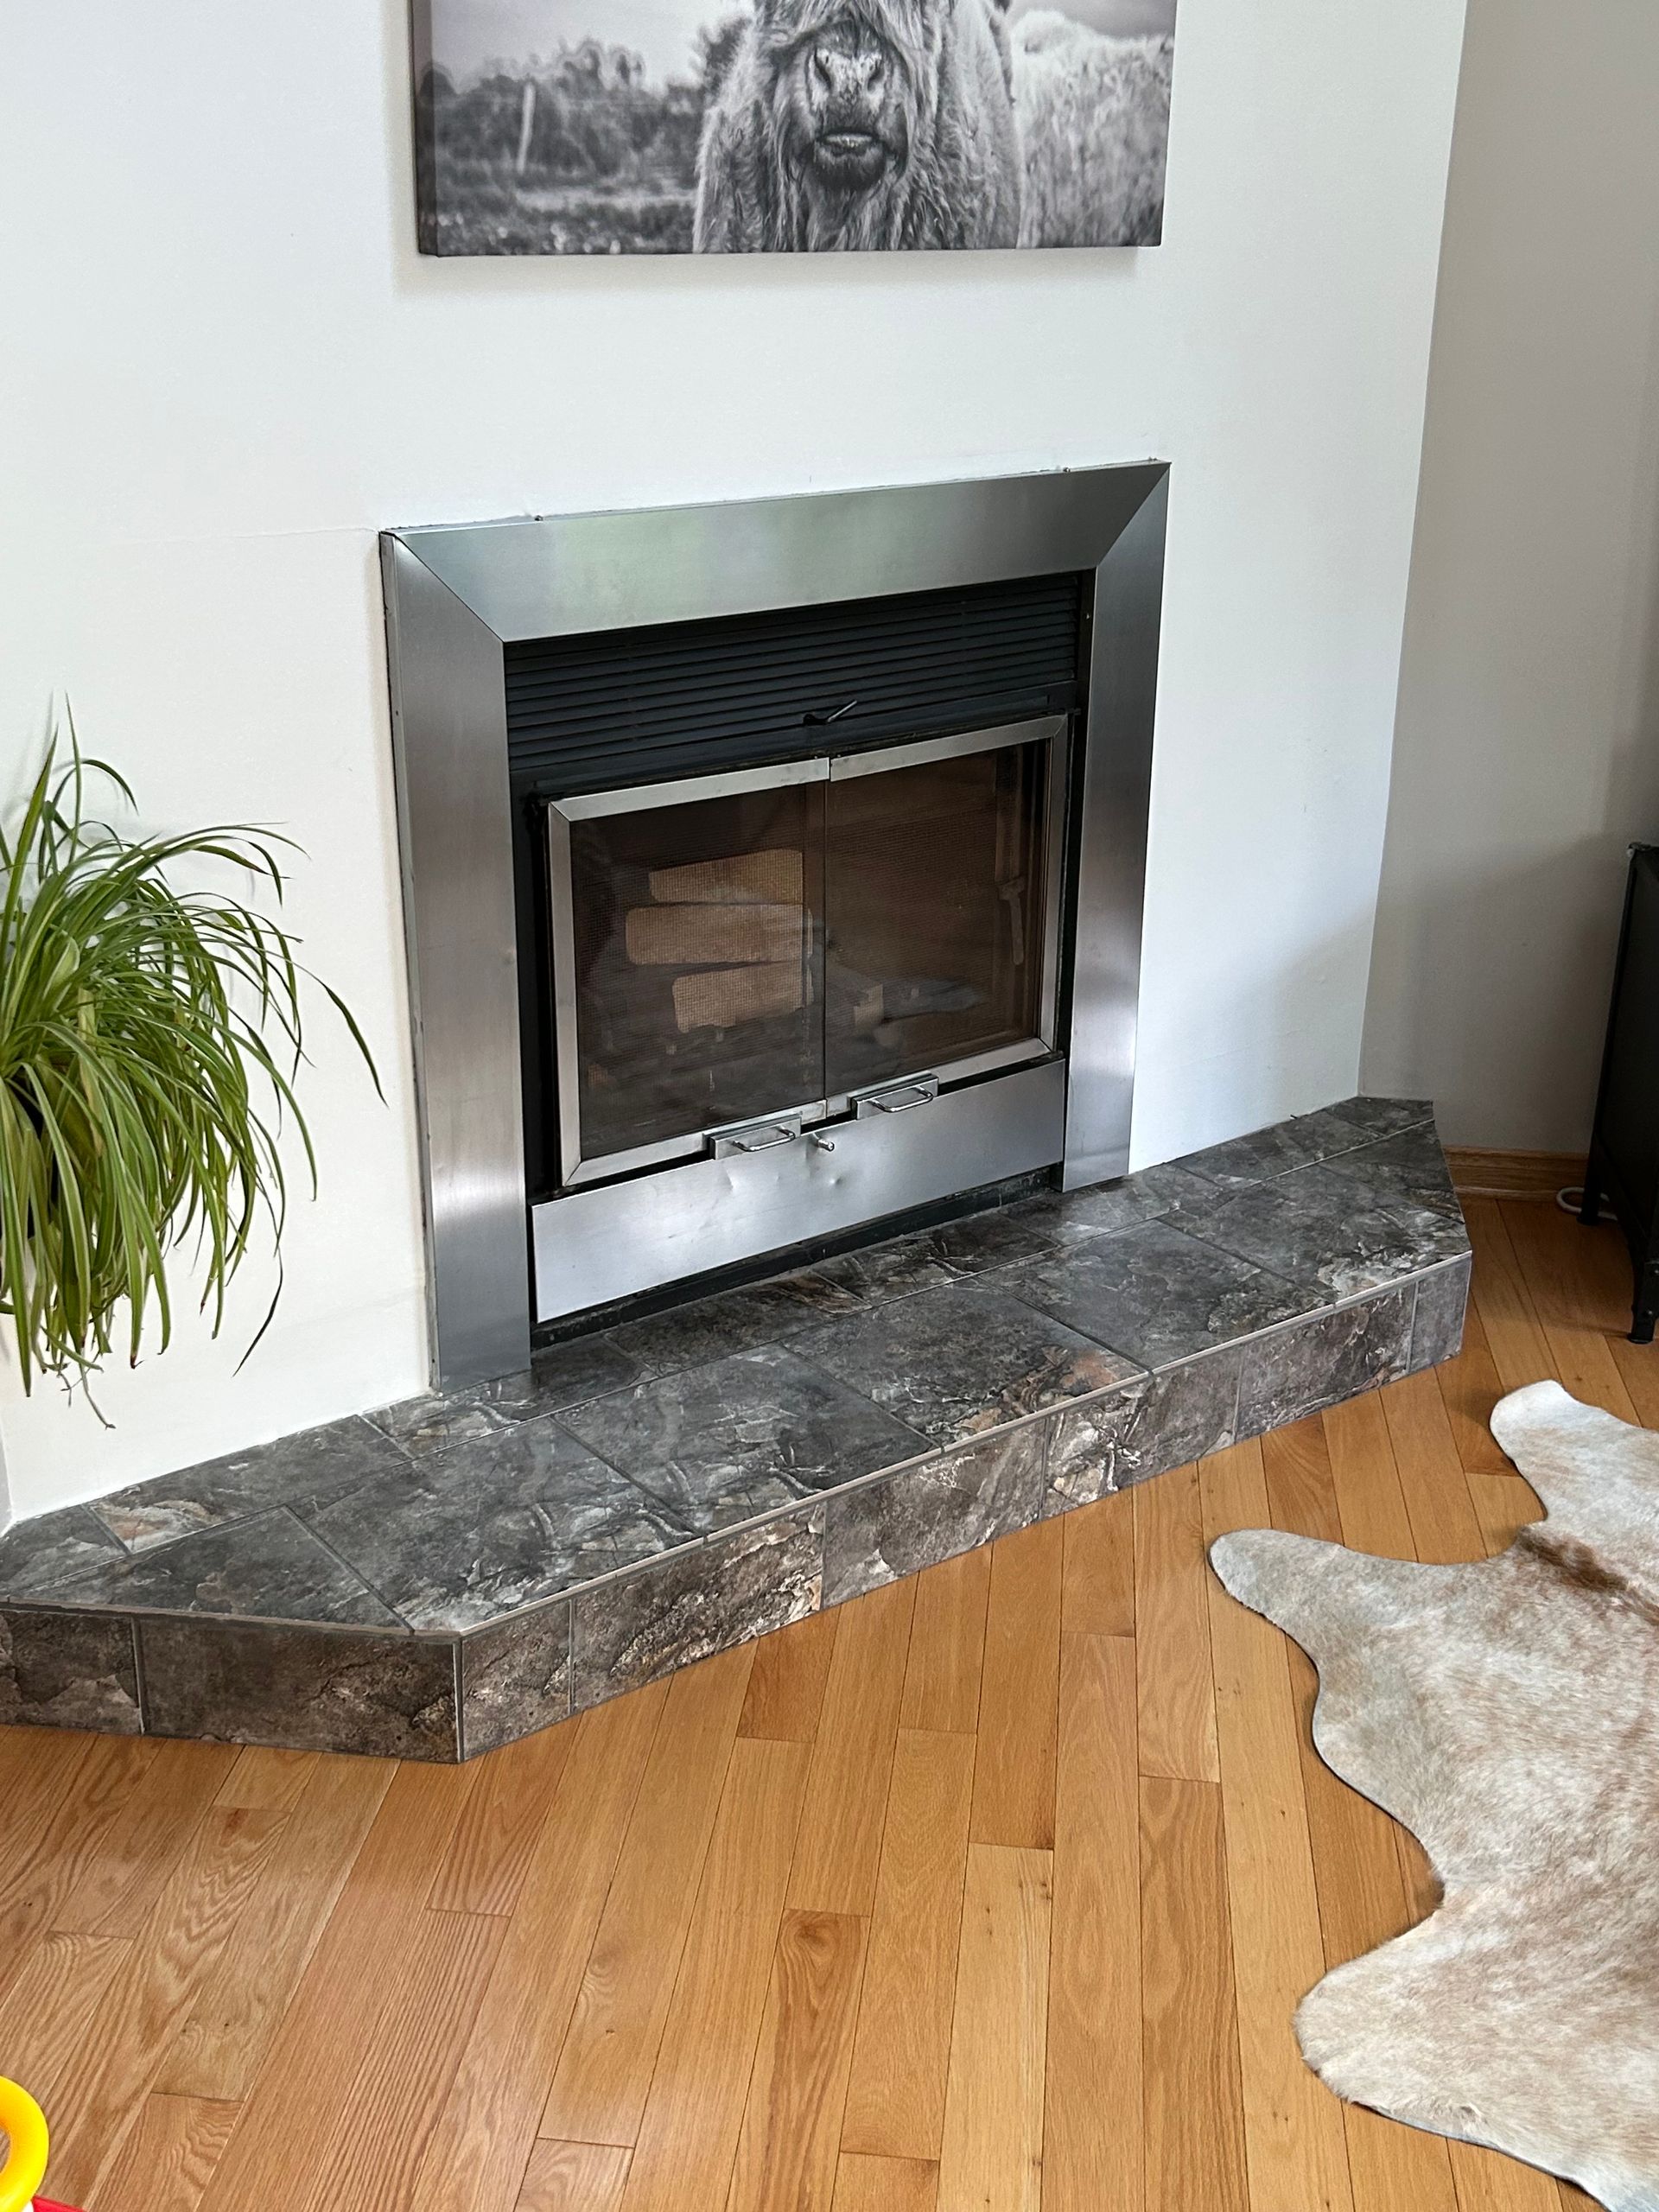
(454, 1573)
(952, 1364)
(1144, 1428)
(523, 1514)
(302, 1470)
(268, 1567)
(930, 1512)
(749, 1435)
(627, 1633)
(300, 1689)
(1160, 1295)
(69, 1670)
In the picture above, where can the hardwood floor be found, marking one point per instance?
(993, 1891)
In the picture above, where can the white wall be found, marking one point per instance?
(230, 368)
(1527, 749)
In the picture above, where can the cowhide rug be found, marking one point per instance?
(1508, 1713)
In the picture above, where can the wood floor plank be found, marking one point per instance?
(1470, 1386)
(605, 2066)
(1019, 1692)
(1097, 1596)
(169, 2157)
(1296, 2150)
(786, 1691)
(895, 2105)
(1192, 2104)
(1444, 1529)
(143, 1844)
(947, 1645)
(992, 2152)
(688, 2135)
(1488, 2183)
(299, 2100)
(1172, 1633)
(1091, 2134)
(501, 1822)
(100, 2095)
(241, 2004)
(866, 2184)
(788, 2145)
(1504, 1504)
(267, 1781)
(1395, 2168)
(397, 2098)
(1516, 1341)
(1552, 1251)
(1301, 1490)
(574, 2177)
(852, 1756)
(1369, 1502)
(43, 1858)
(49, 2006)
(479, 2150)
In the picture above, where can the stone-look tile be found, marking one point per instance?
(1407, 1170)
(563, 1374)
(1002, 1237)
(1158, 1295)
(302, 1470)
(1100, 1209)
(878, 1272)
(267, 1567)
(748, 1319)
(630, 1631)
(521, 1516)
(1297, 1371)
(1437, 1325)
(300, 1689)
(1143, 1429)
(952, 1364)
(923, 1513)
(1385, 1117)
(515, 1678)
(68, 1670)
(1323, 1225)
(37, 1554)
(1267, 1153)
(743, 1437)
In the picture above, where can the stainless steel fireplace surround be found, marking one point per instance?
(1055, 1090)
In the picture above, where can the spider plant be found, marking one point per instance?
(149, 1039)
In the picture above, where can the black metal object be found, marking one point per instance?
(1623, 1168)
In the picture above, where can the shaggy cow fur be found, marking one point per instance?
(863, 124)
(1508, 1713)
(1094, 123)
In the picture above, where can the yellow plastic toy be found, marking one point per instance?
(23, 2124)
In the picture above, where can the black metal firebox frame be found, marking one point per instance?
(464, 609)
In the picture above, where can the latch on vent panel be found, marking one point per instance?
(899, 1097)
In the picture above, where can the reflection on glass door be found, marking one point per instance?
(935, 888)
(757, 944)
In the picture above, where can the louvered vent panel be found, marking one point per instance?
(638, 706)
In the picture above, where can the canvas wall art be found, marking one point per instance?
(789, 126)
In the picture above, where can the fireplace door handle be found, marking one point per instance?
(904, 1099)
(760, 1136)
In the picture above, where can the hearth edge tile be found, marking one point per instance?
(1453, 1276)
(855, 1545)
(1394, 1364)
(517, 1634)
(108, 1642)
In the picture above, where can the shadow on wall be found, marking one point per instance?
(1527, 740)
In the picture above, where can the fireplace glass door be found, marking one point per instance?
(781, 941)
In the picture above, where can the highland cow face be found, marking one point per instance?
(844, 96)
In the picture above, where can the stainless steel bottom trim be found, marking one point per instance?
(594, 1246)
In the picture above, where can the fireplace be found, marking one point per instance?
(773, 872)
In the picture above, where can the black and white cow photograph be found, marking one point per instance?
(789, 126)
